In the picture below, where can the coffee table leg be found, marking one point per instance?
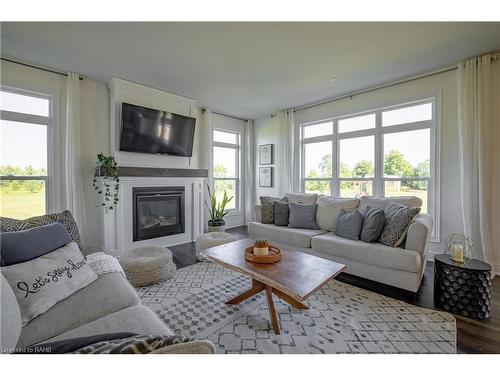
(257, 287)
(272, 311)
(292, 301)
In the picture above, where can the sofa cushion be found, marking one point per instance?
(372, 224)
(349, 224)
(329, 209)
(281, 213)
(293, 236)
(31, 243)
(302, 216)
(303, 198)
(369, 253)
(397, 219)
(10, 317)
(382, 202)
(138, 319)
(111, 292)
(41, 283)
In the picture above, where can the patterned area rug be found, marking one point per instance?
(341, 318)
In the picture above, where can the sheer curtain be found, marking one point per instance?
(72, 171)
(248, 184)
(476, 152)
(288, 130)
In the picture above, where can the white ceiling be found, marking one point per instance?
(249, 69)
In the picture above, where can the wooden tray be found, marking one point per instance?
(273, 257)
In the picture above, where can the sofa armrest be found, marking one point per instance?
(258, 213)
(419, 234)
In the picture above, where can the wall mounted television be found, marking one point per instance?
(152, 131)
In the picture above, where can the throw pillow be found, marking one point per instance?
(329, 210)
(267, 210)
(373, 224)
(65, 218)
(42, 282)
(31, 243)
(302, 216)
(349, 224)
(281, 213)
(397, 218)
(303, 198)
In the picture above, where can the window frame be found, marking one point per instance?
(50, 123)
(378, 180)
(237, 179)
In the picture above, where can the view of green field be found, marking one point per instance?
(21, 204)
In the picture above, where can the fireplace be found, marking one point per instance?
(157, 211)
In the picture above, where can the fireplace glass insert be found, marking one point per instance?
(158, 211)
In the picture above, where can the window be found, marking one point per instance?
(388, 151)
(226, 166)
(25, 121)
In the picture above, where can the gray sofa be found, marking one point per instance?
(396, 266)
(108, 305)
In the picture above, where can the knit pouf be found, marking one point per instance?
(148, 265)
(212, 239)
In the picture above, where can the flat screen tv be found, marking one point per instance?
(156, 132)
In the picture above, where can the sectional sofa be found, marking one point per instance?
(401, 267)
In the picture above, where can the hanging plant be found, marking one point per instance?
(106, 181)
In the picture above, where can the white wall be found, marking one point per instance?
(94, 123)
(269, 130)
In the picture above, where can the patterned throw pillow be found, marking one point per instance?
(65, 218)
(267, 209)
(397, 219)
(140, 344)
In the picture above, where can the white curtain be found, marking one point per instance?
(248, 184)
(476, 152)
(288, 132)
(72, 171)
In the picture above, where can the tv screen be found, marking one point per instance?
(156, 132)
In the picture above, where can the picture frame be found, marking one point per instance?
(266, 177)
(266, 154)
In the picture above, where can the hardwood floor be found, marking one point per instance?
(473, 336)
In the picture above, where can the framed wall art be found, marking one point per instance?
(266, 154)
(266, 177)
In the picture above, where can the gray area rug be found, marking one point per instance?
(341, 318)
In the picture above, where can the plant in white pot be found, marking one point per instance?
(106, 182)
(217, 211)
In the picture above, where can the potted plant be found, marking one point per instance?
(106, 181)
(217, 211)
(260, 247)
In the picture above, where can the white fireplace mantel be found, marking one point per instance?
(118, 224)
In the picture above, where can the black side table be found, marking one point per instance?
(463, 289)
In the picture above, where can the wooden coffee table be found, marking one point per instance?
(294, 278)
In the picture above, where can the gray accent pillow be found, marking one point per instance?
(397, 219)
(281, 213)
(349, 224)
(373, 224)
(267, 210)
(31, 243)
(302, 216)
(65, 218)
(42, 282)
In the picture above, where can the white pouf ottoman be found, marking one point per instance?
(148, 265)
(212, 239)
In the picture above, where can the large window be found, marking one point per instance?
(226, 166)
(25, 120)
(388, 152)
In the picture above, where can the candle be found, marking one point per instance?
(457, 253)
